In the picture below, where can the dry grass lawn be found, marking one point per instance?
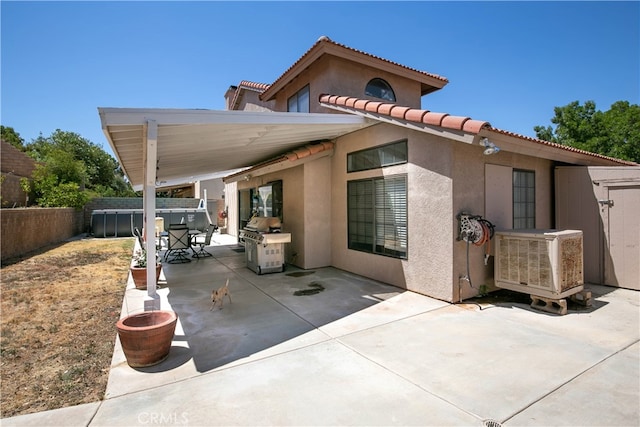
(59, 309)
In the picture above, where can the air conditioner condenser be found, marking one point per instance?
(544, 263)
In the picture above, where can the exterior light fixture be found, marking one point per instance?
(490, 147)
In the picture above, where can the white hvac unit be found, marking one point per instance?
(544, 263)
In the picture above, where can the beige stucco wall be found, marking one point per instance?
(470, 197)
(293, 212)
(337, 76)
(250, 101)
(428, 267)
(444, 178)
(430, 212)
(317, 213)
(306, 194)
(293, 209)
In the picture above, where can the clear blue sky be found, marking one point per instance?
(509, 63)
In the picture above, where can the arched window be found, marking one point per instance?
(380, 89)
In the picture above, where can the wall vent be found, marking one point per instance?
(545, 263)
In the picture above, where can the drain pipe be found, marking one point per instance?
(467, 277)
(468, 270)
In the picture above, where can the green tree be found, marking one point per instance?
(51, 192)
(615, 132)
(72, 158)
(9, 135)
(25, 185)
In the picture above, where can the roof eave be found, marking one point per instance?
(465, 129)
(453, 134)
(196, 142)
(295, 158)
(429, 83)
(520, 144)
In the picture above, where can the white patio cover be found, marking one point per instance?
(154, 146)
(193, 143)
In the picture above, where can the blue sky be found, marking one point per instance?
(509, 63)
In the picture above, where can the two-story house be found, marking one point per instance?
(363, 178)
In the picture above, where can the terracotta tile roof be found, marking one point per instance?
(325, 41)
(416, 115)
(298, 153)
(444, 120)
(247, 85)
(253, 85)
(561, 146)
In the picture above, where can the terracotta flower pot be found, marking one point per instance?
(139, 275)
(146, 337)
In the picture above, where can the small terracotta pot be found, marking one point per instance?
(139, 275)
(146, 337)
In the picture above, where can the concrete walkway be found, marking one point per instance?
(365, 353)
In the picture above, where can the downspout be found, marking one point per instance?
(150, 157)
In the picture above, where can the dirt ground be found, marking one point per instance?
(59, 309)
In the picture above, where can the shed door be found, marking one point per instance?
(622, 236)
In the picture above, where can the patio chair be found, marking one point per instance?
(178, 244)
(138, 234)
(202, 240)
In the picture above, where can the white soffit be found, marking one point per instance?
(201, 142)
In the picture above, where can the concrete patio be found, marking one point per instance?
(365, 353)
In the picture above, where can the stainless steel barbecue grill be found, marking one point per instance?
(264, 244)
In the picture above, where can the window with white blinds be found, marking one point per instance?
(377, 215)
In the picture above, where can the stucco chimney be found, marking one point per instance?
(228, 96)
